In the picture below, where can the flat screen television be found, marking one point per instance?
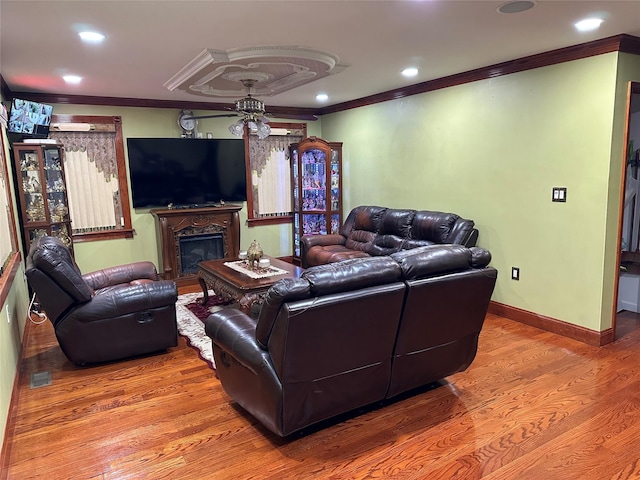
(31, 118)
(186, 172)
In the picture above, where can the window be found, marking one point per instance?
(96, 175)
(269, 189)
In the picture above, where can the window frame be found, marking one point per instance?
(275, 220)
(123, 185)
(14, 260)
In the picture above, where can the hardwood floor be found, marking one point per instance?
(533, 405)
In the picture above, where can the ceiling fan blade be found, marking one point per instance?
(299, 116)
(198, 117)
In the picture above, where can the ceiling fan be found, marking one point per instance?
(252, 112)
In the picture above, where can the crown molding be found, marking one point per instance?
(619, 43)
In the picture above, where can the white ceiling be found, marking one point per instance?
(148, 42)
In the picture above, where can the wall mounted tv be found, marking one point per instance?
(31, 118)
(186, 172)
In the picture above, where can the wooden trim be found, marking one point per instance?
(621, 43)
(8, 183)
(104, 235)
(9, 275)
(281, 112)
(559, 327)
(275, 220)
(623, 183)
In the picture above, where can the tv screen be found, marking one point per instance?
(32, 118)
(186, 172)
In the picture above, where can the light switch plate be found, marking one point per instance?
(559, 194)
(515, 273)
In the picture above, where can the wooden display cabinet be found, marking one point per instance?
(42, 192)
(316, 183)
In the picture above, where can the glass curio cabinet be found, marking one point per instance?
(316, 183)
(42, 192)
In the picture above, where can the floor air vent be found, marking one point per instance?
(40, 379)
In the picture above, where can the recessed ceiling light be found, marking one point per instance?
(517, 6)
(410, 72)
(72, 79)
(322, 97)
(588, 24)
(91, 37)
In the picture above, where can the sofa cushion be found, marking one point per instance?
(386, 245)
(433, 226)
(319, 255)
(368, 218)
(396, 222)
(414, 243)
(352, 274)
(360, 240)
(434, 260)
(53, 259)
(361, 227)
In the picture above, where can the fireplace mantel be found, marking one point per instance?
(172, 224)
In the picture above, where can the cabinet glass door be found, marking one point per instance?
(56, 189)
(32, 187)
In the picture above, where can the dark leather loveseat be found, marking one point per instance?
(373, 231)
(353, 333)
(106, 315)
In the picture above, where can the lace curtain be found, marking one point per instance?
(270, 172)
(100, 148)
(91, 174)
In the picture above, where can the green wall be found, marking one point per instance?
(276, 240)
(13, 317)
(492, 151)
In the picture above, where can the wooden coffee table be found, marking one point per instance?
(229, 283)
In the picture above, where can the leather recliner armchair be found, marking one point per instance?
(107, 315)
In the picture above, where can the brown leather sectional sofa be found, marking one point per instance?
(373, 231)
(353, 333)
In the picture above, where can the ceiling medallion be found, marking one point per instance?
(273, 69)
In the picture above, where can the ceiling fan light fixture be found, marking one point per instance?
(250, 106)
(237, 128)
(263, 130)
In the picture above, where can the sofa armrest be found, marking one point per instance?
(322, 240)
(121, 274)
(235, 332)
(125, 300)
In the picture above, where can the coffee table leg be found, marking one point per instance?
(246, 302)
(205, 291)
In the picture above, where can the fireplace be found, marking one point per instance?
(188, 236)
(196, 248)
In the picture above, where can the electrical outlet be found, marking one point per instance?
(6, 307)
(515, 273)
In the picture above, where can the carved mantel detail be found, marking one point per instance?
(175, 223)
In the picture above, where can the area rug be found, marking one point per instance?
(190, 315)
